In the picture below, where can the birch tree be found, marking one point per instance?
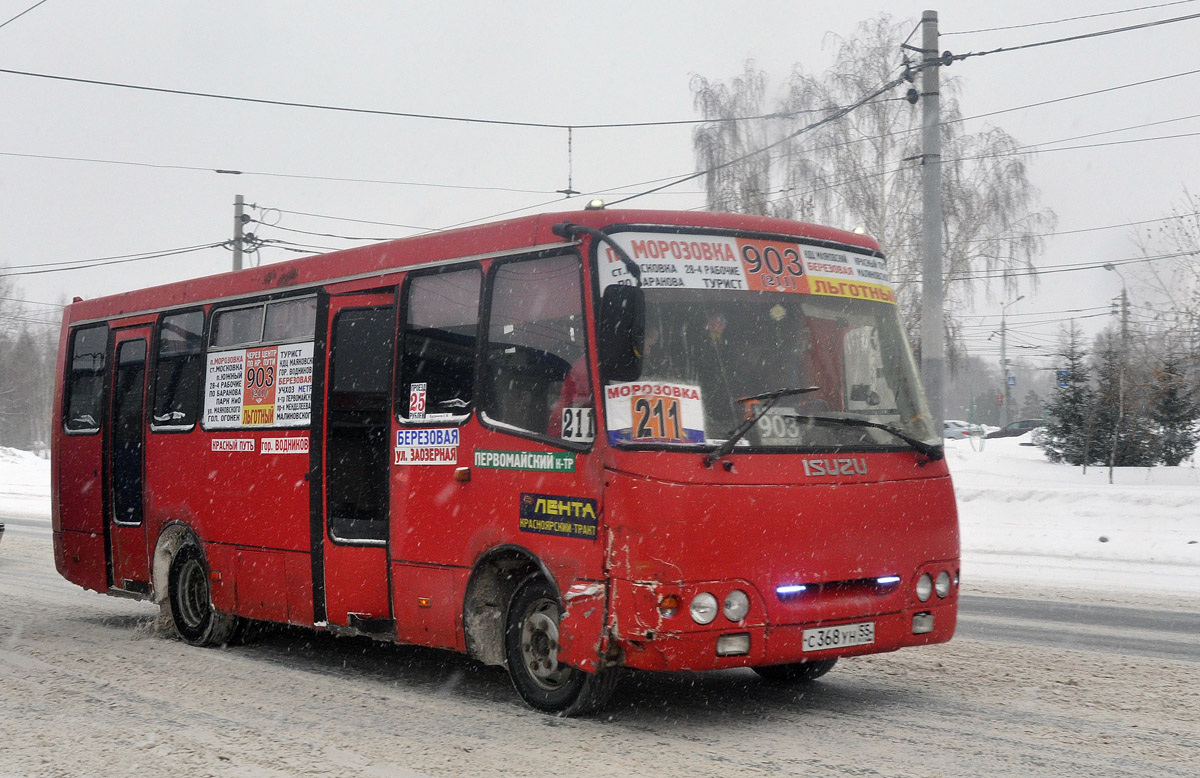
(864, 169)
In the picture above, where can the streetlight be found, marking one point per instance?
(1007, 393)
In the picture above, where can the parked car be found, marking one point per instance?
(957, 429)
(1013, 429)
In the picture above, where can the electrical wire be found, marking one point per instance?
(1051, 269)
(1068, 19)
(400, 114)
(349, 219)
(60, 267)
(18, 16)
(227, 171)
(839, 113)
(1020, 150)
(320, 234)
(30, 302)
(1069, 38)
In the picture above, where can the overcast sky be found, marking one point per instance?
(560, 62)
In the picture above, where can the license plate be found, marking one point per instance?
(840, 636)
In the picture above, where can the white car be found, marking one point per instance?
(957, 429)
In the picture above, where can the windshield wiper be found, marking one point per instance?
(770, 399)
(933, 452)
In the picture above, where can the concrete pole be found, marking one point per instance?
(933, 339)
(1004, 391)
(238, 222)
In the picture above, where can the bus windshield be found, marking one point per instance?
(708, 351)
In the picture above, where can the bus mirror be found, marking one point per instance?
(620, 332)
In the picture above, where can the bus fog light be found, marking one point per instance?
(737, 605)
(922, 623)
(942, 584)
(924, 587)
(733, 645)
(703, 608)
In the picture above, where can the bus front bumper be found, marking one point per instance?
(759, 645)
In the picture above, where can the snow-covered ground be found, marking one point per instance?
(1027, 524)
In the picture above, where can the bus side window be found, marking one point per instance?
(290, 320)
(536, 339)
(437, 358)
(85, 383)
(237, 327)
(179, 371)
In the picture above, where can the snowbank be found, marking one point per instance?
(1029, 522)
(24, 485)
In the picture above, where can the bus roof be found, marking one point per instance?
(487, 240)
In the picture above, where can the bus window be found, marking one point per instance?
(178, 372)
(237, 327)
(536, 367)
(358, 419)
(85, 384)
(127, 437)
(437, 368)
(290, 320)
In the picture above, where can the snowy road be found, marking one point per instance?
(87, 687)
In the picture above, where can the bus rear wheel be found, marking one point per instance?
(797, 672)
(196, 620)
(531, 648)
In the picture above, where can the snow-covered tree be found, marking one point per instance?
(1175, 411)
(1069, 413)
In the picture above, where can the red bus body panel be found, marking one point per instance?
(765, 525)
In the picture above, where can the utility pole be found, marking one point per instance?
(1005, 391)
(933, 338)
(239, 220)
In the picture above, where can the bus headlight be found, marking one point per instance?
(737, 605)
(942, 584)
(924, 587)
(703, 608)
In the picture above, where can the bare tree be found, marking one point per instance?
(1172, 284)
(863, 169)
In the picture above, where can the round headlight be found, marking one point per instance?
(942, 584)
(924, 587)
(737, 605)
(703, 608)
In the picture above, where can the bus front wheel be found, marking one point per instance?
(797, 672)
(531, 649)
(196, 620)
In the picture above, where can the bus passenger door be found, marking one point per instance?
(357, 422)
(125, 460)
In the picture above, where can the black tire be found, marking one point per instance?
(796, 673)
(196, 620)
(531, 648)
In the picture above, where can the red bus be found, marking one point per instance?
(565, 444)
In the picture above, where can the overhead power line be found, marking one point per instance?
(399, 114)
(1050, 269)
(83, 264)
(1069, 38)
(1068, 19)
(18, 16)
(227, 171)
(30, 302)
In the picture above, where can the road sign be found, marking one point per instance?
(1012, 380)
(1063, 376)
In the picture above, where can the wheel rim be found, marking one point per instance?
(193, 594)
(539, 645)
